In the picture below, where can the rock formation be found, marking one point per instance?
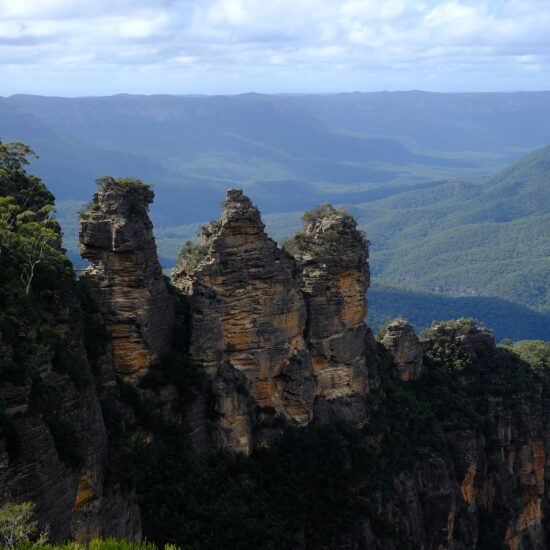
(451, 453)
(283, 332)
(401, 341)
(125, 277)
(248, 318)
(332, 256)
(501, 468)
(57, 454)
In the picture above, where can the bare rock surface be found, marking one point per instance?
(248, 318)
(125, 278)
(402, 342)
(66, 477)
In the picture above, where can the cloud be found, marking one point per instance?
(281, 45)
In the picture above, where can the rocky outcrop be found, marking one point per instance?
(401, 341)
(332, 257)
(125, 277)
(56, 453)
(248, 318)
(278, 338)
(455, 458)
(501, 460)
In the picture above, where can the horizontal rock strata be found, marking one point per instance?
(125, 277)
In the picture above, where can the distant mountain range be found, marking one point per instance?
(463, 239)
(413, 167)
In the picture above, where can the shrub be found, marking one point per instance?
(122, 183)
(18, 526)
(192, 254)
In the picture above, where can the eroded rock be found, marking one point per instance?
(402, 342)
(125, 277)
(248, 318)
(332, 256)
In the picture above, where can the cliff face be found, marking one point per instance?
(332, 257)
(501, 455)
(401, 341)
(56, 451)
(248, 318)
(125, 277)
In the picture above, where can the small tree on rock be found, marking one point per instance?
(17, 525)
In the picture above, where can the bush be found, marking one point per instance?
(122, 183)
(192, 254)
(17, 526)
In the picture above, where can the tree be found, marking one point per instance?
(27, 229)
(535, 352)
(17, 525)
(37, 243)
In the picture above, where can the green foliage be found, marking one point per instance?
(96, 544)
(455, 382)
(329, 241)
(444, 349)
(192, 254)
(18, 526)
(408, 426)
(315, 478)
(488, 239)
(322, 211)
(462, 326)
(31, 259)
(534, 352)
(34, 266)
(122, 183)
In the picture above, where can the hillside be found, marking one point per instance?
(505, 319)
(489, 239)
(321, 146)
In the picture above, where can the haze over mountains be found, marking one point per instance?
(420, 171)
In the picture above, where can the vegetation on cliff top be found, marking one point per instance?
(124, 183)
(324, 227)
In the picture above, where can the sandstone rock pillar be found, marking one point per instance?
(125, 277)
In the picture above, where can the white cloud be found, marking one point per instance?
(275, 45)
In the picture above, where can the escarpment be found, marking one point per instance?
(495, 414)
(54, 447)
(438, 441)
(125, 277)
(56, 453)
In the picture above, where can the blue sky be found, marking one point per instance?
(100, 47)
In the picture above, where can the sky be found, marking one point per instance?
(103, 47)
